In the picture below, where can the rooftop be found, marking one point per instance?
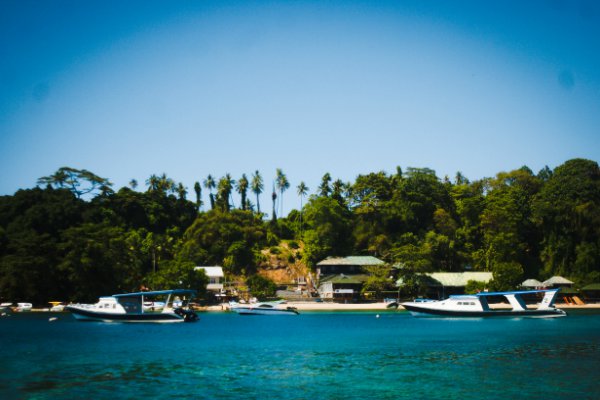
(532, 283)
(212, 272)
(352, 260)
(557, 280)
(453, 279)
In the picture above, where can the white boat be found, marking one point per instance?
(477, 305)
(57, 306)
(129, 307)
(5, 307)
(265, 308)
(23, 307)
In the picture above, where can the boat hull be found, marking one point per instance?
(432, 312)
(263, 311)
(90, 315)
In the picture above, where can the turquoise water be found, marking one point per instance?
(310, 356)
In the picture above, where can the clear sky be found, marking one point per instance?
(127, 89)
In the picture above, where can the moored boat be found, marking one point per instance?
(265, 308)
(57, 306)
(477, 305)
(129, 307)
(23, 307)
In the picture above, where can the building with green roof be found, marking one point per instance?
(342, 287)
(342, 278)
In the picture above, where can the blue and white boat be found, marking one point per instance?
(129, 307)
(477, 305)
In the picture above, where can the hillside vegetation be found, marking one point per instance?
(74, 237)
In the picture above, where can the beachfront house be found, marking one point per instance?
(216, 279)
(440, 285)
(343, 288)
(342, 278)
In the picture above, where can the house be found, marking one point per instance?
(342, 278)
(216, 278)
(346, 265)
(342, 287)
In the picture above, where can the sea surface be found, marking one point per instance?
(318, 355)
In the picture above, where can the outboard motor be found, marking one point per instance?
(188, 315)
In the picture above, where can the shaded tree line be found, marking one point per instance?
(57, 244)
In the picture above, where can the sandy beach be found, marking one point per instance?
(325, 306)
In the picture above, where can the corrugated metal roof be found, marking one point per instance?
(459, 279)
(557, 280)
(352, 260)
(454, 279)
(532, 283)
(212, 272)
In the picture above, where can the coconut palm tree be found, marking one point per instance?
(302, 191)
(274, 198)
(242, 189)
(181, 191)
(153, 182)
(324, 188)
(198, 190)
(210, 184)
(337, 190)
(133, 184)
(257, 187)
(224, 191)
(282, 184)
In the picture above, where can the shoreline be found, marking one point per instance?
(314, 306)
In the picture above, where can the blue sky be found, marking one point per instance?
(191, 88)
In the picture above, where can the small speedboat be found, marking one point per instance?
(129, 307)
(5, 308)
(23, 307)
(265, 308)
(477, 305)
(57, 306)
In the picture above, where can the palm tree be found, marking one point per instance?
(302, 191)
(166, 184)
(282, 184)
(224, 189)
(198, 190)
(274, 198)
(337, 190)
(181, 191)
(133, 184)
(209, 183)
(242, 188)
(153, 183)
(257, 188)
(324, 188)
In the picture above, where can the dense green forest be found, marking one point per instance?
(74, 238)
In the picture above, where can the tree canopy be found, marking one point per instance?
(74, 238)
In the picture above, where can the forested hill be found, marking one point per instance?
(74, 237)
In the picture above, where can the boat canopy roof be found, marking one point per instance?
(516, 292)
(157, 293)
